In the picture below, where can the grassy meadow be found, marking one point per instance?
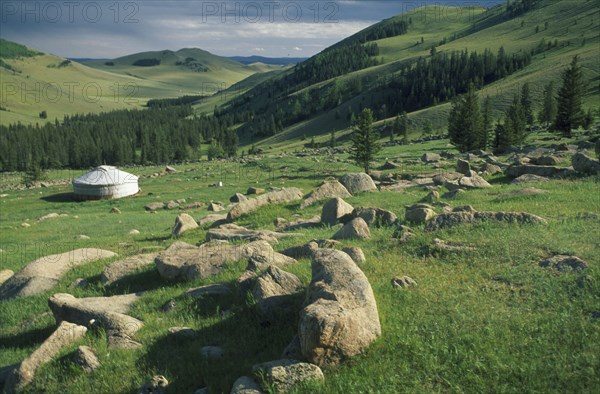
(486, 320)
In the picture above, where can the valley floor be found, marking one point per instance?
(484, 319)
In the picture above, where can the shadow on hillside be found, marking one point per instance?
(246, 337)
(137, 282)
(158, 238)
(27, 338)
(60, 197)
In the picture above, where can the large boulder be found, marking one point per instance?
(85, 357)
(215, 207)
(389, 165)
(154, 206)
(66, 334)
(544, 171)
(490, 169)
(545, 161)
(183, 223)
(300, 224)
(212, 219)
(356, 228)
(529, 178)
(5, 275)
(283, 375)
(233, 232)
(585, 164)
(473, 182)
(308, 249)
(564, 263)
(121, 269)
(156, 385)
(460, 216)
(335, 210)
(107, 312)
(431, 158)
(355, 253)
(182, 261)
(340, 318)
(375, 216)
(272, 289)
(246, 385)
(44, 273)
(464, 167)
(356, 183)
(419, 213)
(325, 191)
(238, 197)
(277, 197)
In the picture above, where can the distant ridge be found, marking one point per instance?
(84, 59)
(268, 60)
(283, 61)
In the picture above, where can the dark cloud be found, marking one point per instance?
(270, 28)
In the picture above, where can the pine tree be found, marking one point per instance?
(486, 114)
(502, 142)
(569, 112)
(427, 128)
(364, 140)
(526, 104)
(548, 112)
(403, 128)
(515, 122)
(465, 124)
(230, 142)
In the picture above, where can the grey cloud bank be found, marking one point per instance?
(107, 29)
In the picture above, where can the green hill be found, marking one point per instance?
(34, 82)
(188, 68)
(550, 33)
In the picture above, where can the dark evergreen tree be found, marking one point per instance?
(512, 132)
(569, 111)
(465, 124)
(486, 114)
(502, 141)
(403, 128)
(364, 140)
(427, 128)
(230, 143)
(548, 112)
(527, 104)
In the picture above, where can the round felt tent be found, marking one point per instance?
(105, 182)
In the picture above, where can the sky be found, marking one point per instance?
(272, 28)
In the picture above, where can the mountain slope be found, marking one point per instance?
(268, 60)
(571, 28)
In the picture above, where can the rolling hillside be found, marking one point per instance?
(553, 32)
(188, 68)
(34, 82)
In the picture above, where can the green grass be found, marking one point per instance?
(488, 320)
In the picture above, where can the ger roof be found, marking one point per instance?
(104, 176)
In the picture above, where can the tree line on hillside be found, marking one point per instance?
(122, 137)
(427, 82)
(470, 126)
(255, 108)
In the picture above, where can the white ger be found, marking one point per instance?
(105, 182)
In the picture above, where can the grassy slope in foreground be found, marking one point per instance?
(488, 320)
